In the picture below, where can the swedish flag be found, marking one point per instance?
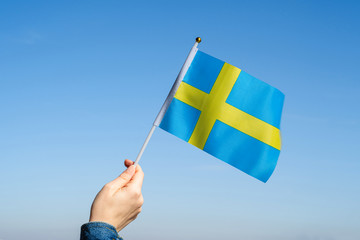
(228, 114)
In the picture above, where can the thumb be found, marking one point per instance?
(124, 177)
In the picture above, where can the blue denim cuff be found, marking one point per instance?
(98, 231)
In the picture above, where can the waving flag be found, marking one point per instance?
(225, 112)
(229, 114)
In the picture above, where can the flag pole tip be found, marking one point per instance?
(198, 39)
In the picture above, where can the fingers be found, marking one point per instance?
(124, 178)
(131, 177)
(137, 179)
(128, 163)
(139, 174)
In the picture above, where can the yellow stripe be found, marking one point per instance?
(213, 104)
(250, 125)
(213, 107)
(191, 96)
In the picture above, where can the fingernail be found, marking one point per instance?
(130, 170)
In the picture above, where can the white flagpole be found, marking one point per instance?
(170, 96)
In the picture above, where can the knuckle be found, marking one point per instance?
(139, 210)
(141, 200)
(136, 193)
(108, 186)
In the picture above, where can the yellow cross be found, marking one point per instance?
(213, 107)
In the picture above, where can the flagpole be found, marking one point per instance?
(170, 96)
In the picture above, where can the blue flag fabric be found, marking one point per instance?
(228, 114)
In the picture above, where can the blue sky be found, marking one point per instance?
(81, 83)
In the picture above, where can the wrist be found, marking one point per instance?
(92, 230)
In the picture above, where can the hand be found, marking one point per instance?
(119, 201)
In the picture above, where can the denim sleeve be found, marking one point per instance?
(98, 231)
